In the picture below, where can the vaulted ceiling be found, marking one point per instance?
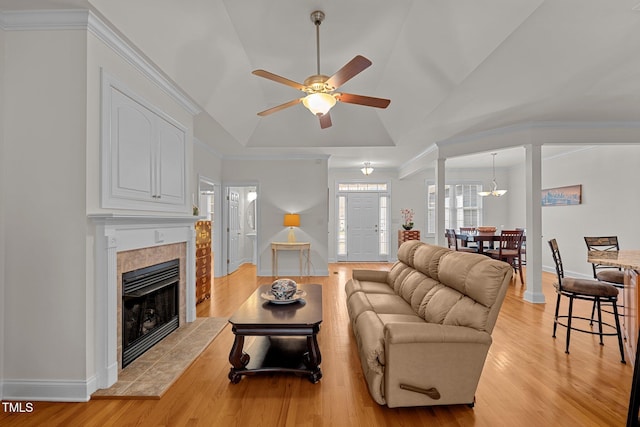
(450, 67)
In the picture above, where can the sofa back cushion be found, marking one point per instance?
(426, 259)
(407, 250)
(414, 287)
(470, 291)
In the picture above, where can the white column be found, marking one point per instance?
(106, 340)
(534, 223)
(440, 212)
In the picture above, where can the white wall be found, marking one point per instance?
(297, 186)
(3, 181)
(608, 175)
(610, 202)
(45, 208)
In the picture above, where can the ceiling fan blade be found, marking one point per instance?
(279, 107)
(351, 69)
(325, 120)
(368, 101)
(278, 79)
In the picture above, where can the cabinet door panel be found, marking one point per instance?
(133, 144)
(171, 161)
(132, 131)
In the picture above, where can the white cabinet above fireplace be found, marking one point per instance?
(143, 154)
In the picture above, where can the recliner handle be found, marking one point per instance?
(431, 392)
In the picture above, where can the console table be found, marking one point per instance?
(286, 246)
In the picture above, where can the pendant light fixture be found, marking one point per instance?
(494, 186)
(367, 169)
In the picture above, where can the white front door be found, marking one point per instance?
(362, 227)
(233, 234)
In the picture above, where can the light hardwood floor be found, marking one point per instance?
(527, 379)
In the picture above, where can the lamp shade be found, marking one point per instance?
(291, 220)
(319, 103)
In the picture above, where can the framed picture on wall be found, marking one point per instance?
(562, 196)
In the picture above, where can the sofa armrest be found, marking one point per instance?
(432, 364)
(407, 333)
(371, 275)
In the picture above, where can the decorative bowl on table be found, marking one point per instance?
(486, 229)
(284, 289)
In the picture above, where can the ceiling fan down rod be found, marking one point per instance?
(317, 17)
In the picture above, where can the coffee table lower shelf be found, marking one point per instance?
(276, 354)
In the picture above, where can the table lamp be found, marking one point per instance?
(291, 220)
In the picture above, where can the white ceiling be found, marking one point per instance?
(450, 67)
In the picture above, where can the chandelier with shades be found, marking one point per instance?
(494, 186)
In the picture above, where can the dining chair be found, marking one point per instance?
(523, 247)
(591, 290)
(509, 249)
(452, 241)
(469, 230)
(607, 273)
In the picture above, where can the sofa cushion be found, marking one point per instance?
(474, 275)
(407, 250)
(397, 274)
(354, 285)
(369, 331)
(427, 259)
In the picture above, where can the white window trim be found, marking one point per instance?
(450, 184)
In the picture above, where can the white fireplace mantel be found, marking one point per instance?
(121, 232)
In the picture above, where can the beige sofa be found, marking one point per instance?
(424, 328)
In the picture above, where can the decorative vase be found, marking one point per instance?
(407, 226)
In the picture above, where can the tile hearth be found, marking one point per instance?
(151, 375)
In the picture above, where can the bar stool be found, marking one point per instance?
(588, 290)
(607, 273)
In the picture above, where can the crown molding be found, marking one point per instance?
(49, 20)
(102, 31)
(41, 20)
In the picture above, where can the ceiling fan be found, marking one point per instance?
(321, 89)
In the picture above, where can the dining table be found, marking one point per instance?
(479, 238)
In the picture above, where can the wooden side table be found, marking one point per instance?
(285, 246)
(406, 235)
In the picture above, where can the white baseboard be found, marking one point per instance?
(293, 273)
(48, 390)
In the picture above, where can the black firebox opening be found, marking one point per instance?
(149, 307)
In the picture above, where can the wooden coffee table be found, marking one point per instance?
(287, 335)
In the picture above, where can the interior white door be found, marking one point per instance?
(363, 217)
(233, 234)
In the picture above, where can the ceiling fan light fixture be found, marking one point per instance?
(319, 103)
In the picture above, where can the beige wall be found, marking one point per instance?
(3, 180)
(45, 215)
(296, 186)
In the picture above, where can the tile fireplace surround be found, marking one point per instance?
(147, 240)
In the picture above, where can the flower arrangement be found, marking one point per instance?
(407, 218)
